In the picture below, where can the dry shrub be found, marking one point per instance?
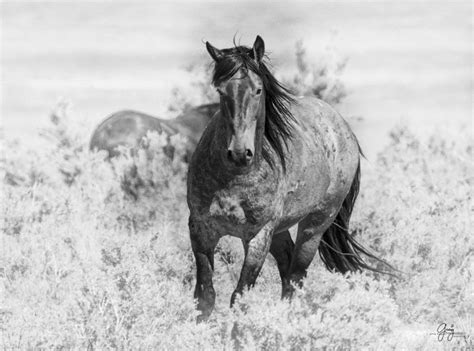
(84, 265)
(320, 78)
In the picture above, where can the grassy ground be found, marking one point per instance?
(83, 265)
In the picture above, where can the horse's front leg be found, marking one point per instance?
(203, 244)
(256, 249)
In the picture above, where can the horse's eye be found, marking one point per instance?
(258, 92)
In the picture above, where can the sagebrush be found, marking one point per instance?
(84, 265)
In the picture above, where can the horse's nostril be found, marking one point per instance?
(248, 153)
(229, 155)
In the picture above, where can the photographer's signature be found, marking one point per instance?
(445, 333)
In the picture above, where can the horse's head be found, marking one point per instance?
(242, 98)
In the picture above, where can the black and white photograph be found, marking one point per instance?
(236, 175)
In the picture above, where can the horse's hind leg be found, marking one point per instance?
(282, 249)
(256, 250)
(203, 245)
(310, 232)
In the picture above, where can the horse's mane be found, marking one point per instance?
(278, 126)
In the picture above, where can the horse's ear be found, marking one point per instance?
(215, 53)
(258, 49)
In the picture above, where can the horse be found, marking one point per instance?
(128, 127)
(269, 160)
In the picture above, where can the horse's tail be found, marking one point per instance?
(338, 249)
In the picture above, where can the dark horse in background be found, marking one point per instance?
(127, 128)
(266, 161)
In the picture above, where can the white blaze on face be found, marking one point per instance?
(242, 97)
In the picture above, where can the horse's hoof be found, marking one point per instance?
(202, 318)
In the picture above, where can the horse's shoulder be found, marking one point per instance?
(200, 156)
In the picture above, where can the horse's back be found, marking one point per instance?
(328, 131)
(322, 162)
(123, 128)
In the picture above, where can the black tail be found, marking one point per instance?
(338, 249)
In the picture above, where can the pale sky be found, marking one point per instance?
(408, 62)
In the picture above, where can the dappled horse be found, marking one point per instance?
(127, 128)
(267, 161)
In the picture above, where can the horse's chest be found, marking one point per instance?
(242, 210)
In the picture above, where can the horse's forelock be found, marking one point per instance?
(233, 60)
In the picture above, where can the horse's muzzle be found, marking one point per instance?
(240, 158)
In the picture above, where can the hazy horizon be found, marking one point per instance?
(407, 62)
